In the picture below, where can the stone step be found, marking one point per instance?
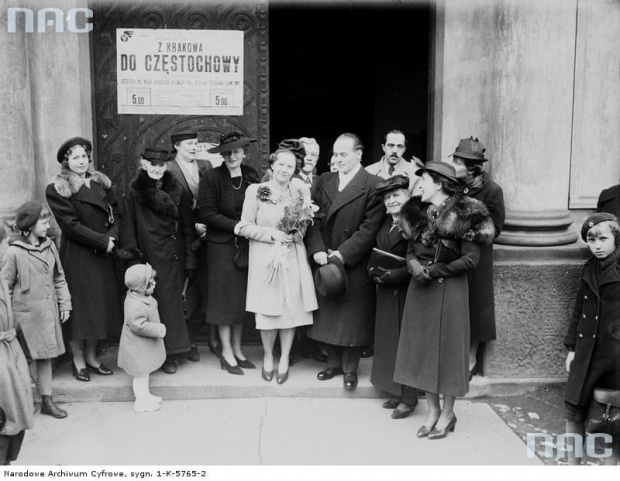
(205, 380)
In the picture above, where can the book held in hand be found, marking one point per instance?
(385, 260)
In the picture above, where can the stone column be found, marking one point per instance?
(506, 74)
(16, 158)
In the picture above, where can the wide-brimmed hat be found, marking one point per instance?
(395, 182)
(231, 141)
(28, 214)
(138, 276)
(442, 168)
(296, 146)
(471, 149)
(156, 154)
(331, 279)
(183, 135)
(72, 142)
(593, 220)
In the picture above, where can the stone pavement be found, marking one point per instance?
(212, 418)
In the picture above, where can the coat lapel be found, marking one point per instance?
(91, 195)
(176, 172)
(352, 191)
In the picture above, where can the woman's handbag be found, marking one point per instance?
(604, 415)
(242, 252)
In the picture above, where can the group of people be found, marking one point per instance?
(398, 254)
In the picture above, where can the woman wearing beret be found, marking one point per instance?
(86, 210)
(468, 160)
(158, 228)
(280, 286)
(392, 279)
(433, 348)
(220, 202)
(16, 406)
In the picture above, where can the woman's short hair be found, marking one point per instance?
(273, 157)
(614, 227)
(87, 149)
(448, 186)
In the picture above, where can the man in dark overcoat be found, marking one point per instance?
(350, 216)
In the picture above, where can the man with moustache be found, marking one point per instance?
(308, 169)
(394, 145)
(343, 234)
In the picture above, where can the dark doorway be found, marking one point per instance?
(353, 68)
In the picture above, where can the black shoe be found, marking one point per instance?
(474, 370)
(442, 433)
(49, 407)
(245, 363)
(398, 414)
(350, 380)
(328, 373)
(231, 369)
(102, 370)
(391, 404)
(170, 365)
(367, 351)
(193, 355)
(80, 374)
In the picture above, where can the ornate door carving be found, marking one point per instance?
(119, 139)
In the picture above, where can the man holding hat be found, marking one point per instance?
(187, 169)
(344, 233)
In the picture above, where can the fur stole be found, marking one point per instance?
(164, 200)
(68, 183)
(458, 218)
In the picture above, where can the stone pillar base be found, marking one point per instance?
(537, 229)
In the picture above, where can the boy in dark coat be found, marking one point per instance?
(593, 337)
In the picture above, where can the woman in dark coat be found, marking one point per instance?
(392, 278)
(220, 202)
(468, 160)
(158, 228)
(433, 349)
(86, 210)
(593, 336)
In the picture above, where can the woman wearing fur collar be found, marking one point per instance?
(158, 228)
(86, 210)
(444, 245)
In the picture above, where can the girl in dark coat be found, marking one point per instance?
(86, 210)
(220, 202)
(158, 228)
(593, 337)
(468, 160)
(433, 349)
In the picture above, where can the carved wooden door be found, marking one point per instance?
(119, 139)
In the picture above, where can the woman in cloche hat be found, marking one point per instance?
(433, 348)
(83, 203)
(220, 202)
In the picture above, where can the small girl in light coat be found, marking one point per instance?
(141, 349)
(39, 292)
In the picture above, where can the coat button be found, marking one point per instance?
(596, 318)
(106, 224)
(580, 335)
(593, 336)
(584, 316)
(440, 280)
(173, 237)
(395, 293)
(175, 257)
(585, 297)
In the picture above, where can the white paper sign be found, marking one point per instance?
(179, 72)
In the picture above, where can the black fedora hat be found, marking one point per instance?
(72, 142)
(471, 149)
(156, 154)
(395, 182)
(331, 279)
(442, 168)
(183, 135)
(231, 141)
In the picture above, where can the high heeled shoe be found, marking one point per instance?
(474, 370)
(442, 433)
(267, 375)
(245, 363)
(425, 430)
(281, 378)
(102, 370)
(231, 369)
(80, 374)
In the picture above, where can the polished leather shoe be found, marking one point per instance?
(102, 369)
(350, 380)
(193, 355)
(367, 351)
(49, 407)
(425, 430)
(398, 414)
(281, 378)
(267, 375)
(390, 404)
(230, 368)
(328, 373)
(169, 366)
(80, 374)
(442, 433)
(245, 363)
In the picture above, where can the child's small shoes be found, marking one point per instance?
(145, 405)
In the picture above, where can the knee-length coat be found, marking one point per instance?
(39, 293)
(159, 229)
(347, 221)
(481, 293)
(433, 348)
(88, 217)
(390, 306)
